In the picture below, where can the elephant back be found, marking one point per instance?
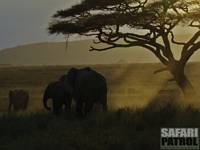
(91, 82)
(91, 77)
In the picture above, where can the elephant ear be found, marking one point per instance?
(71, 76)
(10, 92)
(69, 79)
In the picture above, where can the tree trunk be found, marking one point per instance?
(184, 84)
(182, 80)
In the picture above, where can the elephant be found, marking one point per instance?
(87, 87)
(60, 96)
(18, 99)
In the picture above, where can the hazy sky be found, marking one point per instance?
(26, 21)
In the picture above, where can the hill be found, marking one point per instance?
(77, 53)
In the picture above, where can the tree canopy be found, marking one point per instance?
(148, 23)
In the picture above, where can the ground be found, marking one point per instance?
(140, 103)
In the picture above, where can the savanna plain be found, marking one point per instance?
(139, 102)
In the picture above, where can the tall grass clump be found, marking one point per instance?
(125, 128)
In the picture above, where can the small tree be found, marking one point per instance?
(148, 23)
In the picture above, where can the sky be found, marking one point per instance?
(26, 21)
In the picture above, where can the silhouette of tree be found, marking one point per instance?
(128, 23)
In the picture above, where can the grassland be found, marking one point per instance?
(137, 110)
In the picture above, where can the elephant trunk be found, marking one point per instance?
(45, 98)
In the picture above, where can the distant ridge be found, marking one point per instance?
(77, 53)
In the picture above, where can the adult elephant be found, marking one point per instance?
(60, 96)
(87, 87)
(18, 99)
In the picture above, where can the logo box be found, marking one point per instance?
(179, 138)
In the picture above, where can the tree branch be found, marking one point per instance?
(167, 51)
(157, 54)
(171, 80)
(189, 44)
(138, 40)
(190, 52)
(173, 39)
(160, 70)
(194, 25)
(101, 49)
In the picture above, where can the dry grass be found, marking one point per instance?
(130, 85)
(126, 126)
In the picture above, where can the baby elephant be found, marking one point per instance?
(18, 99)
(57, 92)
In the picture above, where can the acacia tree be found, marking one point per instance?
(146, 23)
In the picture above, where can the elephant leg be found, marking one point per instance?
(79, 108)
(104, 103)
(57, 106)
(68, 105)
(88, 107)
(10, 106)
